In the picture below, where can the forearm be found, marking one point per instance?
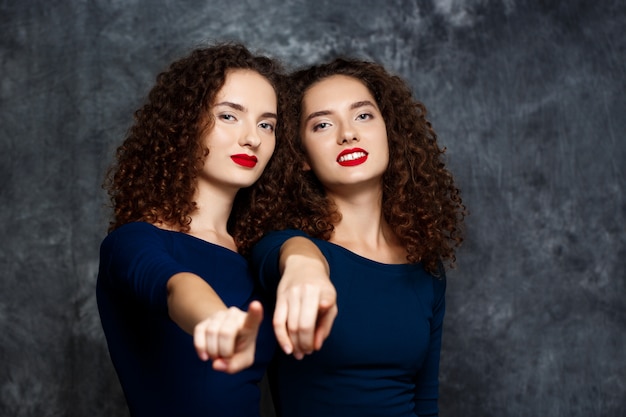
(191, 300)
(302, 255)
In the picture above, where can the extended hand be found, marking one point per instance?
(306, 307)
(228, 337)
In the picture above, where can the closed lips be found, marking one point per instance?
(248, 161)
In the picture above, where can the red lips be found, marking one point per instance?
(248, 161)
(352, 157)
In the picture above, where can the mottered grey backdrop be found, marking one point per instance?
(528, 97)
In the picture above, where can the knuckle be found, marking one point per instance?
(306, 328)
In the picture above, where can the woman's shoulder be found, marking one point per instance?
(147, 232)
(285, 234)
(134, 229)
(131, 234)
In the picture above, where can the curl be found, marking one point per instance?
(155, 174)
(421, 202)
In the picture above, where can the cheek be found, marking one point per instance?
(270, 144)
(267, 152)
(386, 147)
(218, 137)
(307, 165)
(313, 160)
(385, 141)
(315, 151)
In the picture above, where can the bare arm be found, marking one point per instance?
(306, 300)
(225, 335)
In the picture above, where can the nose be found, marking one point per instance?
(348, 133)
(250, 137)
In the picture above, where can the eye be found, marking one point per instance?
(227, 117)
(267, 126)
(319, 126)
(364, 116)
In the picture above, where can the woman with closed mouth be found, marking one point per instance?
(358, 241)
(178, 304)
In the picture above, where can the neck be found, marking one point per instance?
(361, 214)
(209, 222)
(363, 228)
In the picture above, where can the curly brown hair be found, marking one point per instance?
(420, 200)
(155, 175)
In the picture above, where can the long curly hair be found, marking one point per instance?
(420, 202)
(155, 175)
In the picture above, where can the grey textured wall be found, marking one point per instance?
(528, 96)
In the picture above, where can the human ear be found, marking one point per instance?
(306, 166)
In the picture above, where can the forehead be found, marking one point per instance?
(243, 82)
(334, 89)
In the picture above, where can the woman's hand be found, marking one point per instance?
(225, 335)
(228, 337)
(306, 300)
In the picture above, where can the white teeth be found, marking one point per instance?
(352, 156)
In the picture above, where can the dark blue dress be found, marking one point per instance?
(155, 360)
(382, 355)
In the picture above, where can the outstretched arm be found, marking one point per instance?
(306, 300)
(225, 335)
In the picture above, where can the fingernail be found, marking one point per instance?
(287, 349)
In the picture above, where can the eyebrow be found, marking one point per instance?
(241, 108)
(353, 106)
(361, 104)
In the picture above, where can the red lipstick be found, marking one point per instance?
(352, 157)
(248, 161)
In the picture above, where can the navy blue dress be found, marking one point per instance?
(155, 360)
(382, 355)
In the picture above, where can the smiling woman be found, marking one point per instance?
(340, 113)
(170, 277)
(368, 218)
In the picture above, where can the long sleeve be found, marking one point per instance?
(265, 257)
(427, 381)
(156, 362)
(136, 260)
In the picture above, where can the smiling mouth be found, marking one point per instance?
(352, 158)
(248, 161)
